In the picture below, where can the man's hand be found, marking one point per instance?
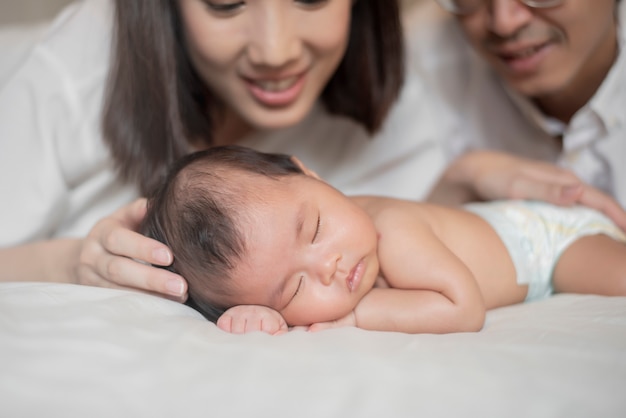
(491, 175)
(243, 319)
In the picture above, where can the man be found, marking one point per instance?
(541, 79)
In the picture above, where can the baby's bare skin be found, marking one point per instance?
(485, 255)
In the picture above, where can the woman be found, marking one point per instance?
(85, 130)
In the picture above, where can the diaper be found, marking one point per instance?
(537, 233)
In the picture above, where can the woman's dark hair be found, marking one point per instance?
(156, 102)
(197, 211)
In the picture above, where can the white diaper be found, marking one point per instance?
(536, 234)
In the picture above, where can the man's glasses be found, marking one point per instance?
(467, 7)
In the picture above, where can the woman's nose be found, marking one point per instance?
(274, 41)
(507, 17)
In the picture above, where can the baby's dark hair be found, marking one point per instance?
(195, 212)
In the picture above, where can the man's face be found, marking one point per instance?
(561, 50)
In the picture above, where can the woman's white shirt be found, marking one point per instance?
(57, 177)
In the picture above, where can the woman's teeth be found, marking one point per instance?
(276, 85)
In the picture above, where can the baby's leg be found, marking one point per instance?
(594, 264)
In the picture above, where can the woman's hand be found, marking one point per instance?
(490, 175)
(243, 319)
(115, 255)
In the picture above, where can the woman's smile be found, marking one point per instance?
(278, 92)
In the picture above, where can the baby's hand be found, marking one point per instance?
(243, 319)
(347, 321)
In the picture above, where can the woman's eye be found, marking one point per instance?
(317, 229)
(224, 7)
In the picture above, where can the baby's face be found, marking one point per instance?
(311, 253)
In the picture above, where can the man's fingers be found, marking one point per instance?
(569, 194)
(545, 172)
(557, 194)
(602, 202)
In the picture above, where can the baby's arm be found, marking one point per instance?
(431, 289)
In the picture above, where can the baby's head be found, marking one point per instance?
(254, 228)
(196, 213)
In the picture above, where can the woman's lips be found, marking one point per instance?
(277, 92)
(354, 278)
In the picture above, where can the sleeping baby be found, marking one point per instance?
(265, 245)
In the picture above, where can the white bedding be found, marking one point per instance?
(73, 351)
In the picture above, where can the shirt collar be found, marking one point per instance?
(609, 101)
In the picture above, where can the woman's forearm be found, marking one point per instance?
(43, 261)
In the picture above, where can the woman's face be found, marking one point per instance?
(267, 60)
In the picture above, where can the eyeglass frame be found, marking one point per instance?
(535, 4)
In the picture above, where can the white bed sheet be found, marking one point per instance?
(74, 351)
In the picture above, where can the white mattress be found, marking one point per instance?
(74, 351)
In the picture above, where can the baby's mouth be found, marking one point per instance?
(354, 278)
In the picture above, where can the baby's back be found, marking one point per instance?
(471, 239)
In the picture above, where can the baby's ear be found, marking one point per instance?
(304, 168)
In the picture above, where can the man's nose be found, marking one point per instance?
(274, 40)
(507, 17)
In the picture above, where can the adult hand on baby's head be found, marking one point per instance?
(243, 319)
(491, 175)
(115, 255)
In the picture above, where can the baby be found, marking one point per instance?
(260, 237)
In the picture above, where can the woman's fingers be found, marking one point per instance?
(117, 234)
(126, 272)
(115, 238)
(115, 255)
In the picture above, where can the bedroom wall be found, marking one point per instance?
(19, 11)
